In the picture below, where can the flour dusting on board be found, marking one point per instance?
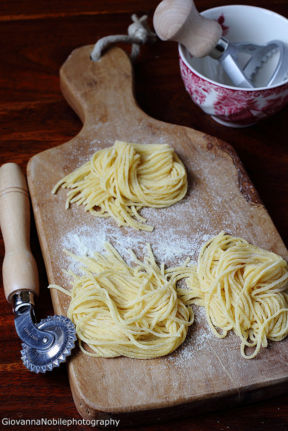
(170, 246)
(197, 339)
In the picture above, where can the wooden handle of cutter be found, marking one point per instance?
(179, 20)
(19, 266)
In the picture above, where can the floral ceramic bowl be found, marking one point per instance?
(211, 89)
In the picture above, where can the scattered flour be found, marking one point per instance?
(198, 336)
(170, 242)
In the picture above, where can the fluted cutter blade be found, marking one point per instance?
(42, 360)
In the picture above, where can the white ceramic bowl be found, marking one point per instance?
(211, 89)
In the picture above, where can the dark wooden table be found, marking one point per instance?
(36, 38)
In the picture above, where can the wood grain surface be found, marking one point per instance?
(38, 38)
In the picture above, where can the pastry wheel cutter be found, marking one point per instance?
(48, 343)
(179, 20)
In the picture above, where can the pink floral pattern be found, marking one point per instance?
(232, 105)
(225, 28)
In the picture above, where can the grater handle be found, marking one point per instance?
(19, 266)
(179, 20)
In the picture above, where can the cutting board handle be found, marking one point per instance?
(19, 266)
(98, 91)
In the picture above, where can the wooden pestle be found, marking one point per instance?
(179, 20)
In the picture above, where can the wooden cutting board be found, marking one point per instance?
(205, 372)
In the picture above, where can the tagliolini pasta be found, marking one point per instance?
(122, 310)
(120, 180)
(243, 288)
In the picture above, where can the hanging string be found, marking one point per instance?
(139, 33)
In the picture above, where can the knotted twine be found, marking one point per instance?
(139, 33)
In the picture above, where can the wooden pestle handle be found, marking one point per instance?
(19, 266)
(179, 20)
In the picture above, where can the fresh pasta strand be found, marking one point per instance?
(243, 288)
(120, 180)
(122, 310)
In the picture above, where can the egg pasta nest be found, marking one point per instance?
(243, 288)
(120, 180)
(133, 311)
